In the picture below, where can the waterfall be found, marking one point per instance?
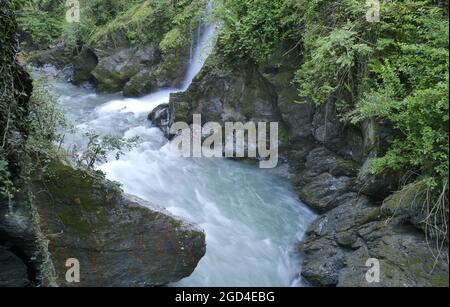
(203, 44)
(252, 217)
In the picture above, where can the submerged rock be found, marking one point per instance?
(160, 117)
(119, 240)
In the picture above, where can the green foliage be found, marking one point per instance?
(161, 16)
(13, 109)
(331, 71)
(134, 23)
(47, 120)
(98, 149)
(105, 22)
(395, 70)
(253, 28)
(38, 24)
(409, 87)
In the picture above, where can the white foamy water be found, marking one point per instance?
(252, 217)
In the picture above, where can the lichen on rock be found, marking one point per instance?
(119, 239)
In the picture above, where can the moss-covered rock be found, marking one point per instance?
(224, 92)
(84, 63)
(113, 72)
(411, 204)
(144, 82)
(119, 240)
(341, 241)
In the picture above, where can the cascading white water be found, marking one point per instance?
(252, 217)
(203, 46)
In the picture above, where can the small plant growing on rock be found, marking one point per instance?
(99, 148)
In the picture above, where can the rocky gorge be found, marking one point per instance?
(361, 216)
(59, 212)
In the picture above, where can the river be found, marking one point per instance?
(252, 217)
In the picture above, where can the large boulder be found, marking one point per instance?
(142, 83)
(321, 193)
(119, 240)
(84, 63)
(376, 185)
(340, 242)
(114, 71)
(223, 92)
(160, 117)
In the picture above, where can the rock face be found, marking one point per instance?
(221, 93)
(341, 241)
(115, 71)
(58, 55)
(84, 63)
(330, 161)
(119, 240)
(160, 117)
(13, 272)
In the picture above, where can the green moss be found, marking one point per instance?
(73, 219)
(80, 195)
(439, 280)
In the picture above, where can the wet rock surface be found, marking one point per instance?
(330, 161)
(84, 63)
(113, 72)
(160, 117)
(222, 93)
(119, 240)
(13, 271)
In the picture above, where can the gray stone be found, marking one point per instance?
(377, 186)
(321, 160)
(143, 83)
(13, 272)
(322, 190)
(114, 71)
(222, 93)
(160, 117)
(119, 240)
(340, 242)
(83, 65)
